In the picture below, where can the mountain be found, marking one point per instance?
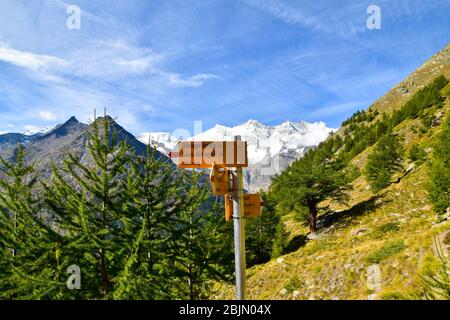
(68, 137)
(381, 243)
(271, 149)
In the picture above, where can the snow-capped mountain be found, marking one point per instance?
(270, 148)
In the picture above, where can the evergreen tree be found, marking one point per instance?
(436, 276)
(151, 185)
(315, 177)
(28, 264)
(383, 162)
(439, 171)
(90, 204)
(200, 249)
(260, 233)
(280, 240)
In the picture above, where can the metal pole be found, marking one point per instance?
(239, 233)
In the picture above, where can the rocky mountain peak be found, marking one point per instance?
(270, 148)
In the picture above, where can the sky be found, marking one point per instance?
(161, 65)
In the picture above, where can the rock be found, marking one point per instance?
(428, 150)
(314, 236)
(402, 220)
(374, 278)
(410, 167)
(446, 215)
(358, 232)
(295, 294)
(436, 122)
(280, 260)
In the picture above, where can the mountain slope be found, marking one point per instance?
(69, 137)
(271, 149)
(378, 245)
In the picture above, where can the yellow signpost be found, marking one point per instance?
(220, 180)
(220, 156)
(253, 205)
(203, 154)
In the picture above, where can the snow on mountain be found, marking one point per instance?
(32, 130)
(162, 141)
(270, 148)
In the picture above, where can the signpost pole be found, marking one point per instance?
(239, 233)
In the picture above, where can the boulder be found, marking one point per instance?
(358, 232)
(374, 278)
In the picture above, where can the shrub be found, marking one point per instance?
(293, 284)
(417, 154)
(383, 162)
(389, 249)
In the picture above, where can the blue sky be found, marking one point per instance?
(161, 65)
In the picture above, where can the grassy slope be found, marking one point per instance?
(400, 219)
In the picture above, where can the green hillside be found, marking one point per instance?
(376, 239)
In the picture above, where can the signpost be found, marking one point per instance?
(239, 233)
(253, 205)
(203, 154)
(221, 156)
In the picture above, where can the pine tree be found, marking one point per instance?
(436, 276)
(260, 233)
(315, 177)
(383, 162)
(155, 192)
(439, 171)
(280, 240)
(200, 248)
(28, 265)
(90, 205)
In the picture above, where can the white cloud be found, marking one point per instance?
(193, 81)
(113, 60)
(286, 13)
(28, 60)
(47, 115)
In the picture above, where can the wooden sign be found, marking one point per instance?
(220, 180)
(203, 154)
(228, 208)
(253, 205)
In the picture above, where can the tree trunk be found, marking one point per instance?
(191, 284)
(312, 218)
(104, 284)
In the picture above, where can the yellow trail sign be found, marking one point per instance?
(253, 206)
(220, 180)
(203, 154)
